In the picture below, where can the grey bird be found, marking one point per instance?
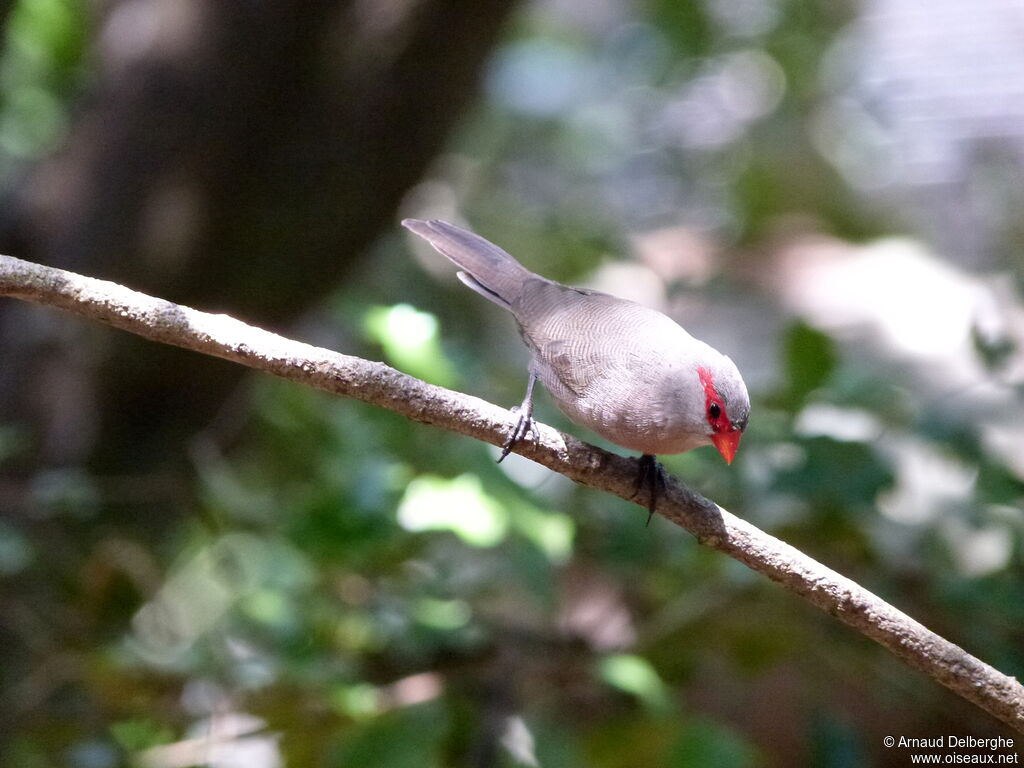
(623, 370)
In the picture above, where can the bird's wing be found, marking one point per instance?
(567, 329)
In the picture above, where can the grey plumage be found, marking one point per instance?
(487, 269)
(625, 371)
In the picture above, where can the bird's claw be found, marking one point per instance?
(651, 475)
(524, 426)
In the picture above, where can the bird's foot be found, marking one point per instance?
(652, 477)
(524, 426)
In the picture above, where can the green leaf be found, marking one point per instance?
(836, 473)
(405, 738)
(810, 359)
(459, 505)
(635, 675)
(704, 742)
(136, 735)
(411, 342)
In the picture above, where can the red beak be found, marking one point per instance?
(727, 443)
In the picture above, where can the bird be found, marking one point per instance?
(624, 371)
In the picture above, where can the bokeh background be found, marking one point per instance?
(206, 567)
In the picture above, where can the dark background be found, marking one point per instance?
(201, 566)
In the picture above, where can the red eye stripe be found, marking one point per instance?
(719, 423)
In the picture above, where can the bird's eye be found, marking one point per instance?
(714, 411)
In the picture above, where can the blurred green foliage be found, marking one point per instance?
(40, 68)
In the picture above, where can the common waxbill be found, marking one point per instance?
(627, 372)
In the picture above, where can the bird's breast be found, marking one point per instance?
(630, 422)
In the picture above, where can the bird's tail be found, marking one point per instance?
(486, 268)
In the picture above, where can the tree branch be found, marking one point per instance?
(227, 338)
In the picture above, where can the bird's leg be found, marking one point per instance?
(525, 424)
(651, 475)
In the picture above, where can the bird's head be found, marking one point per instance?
(726, 405)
